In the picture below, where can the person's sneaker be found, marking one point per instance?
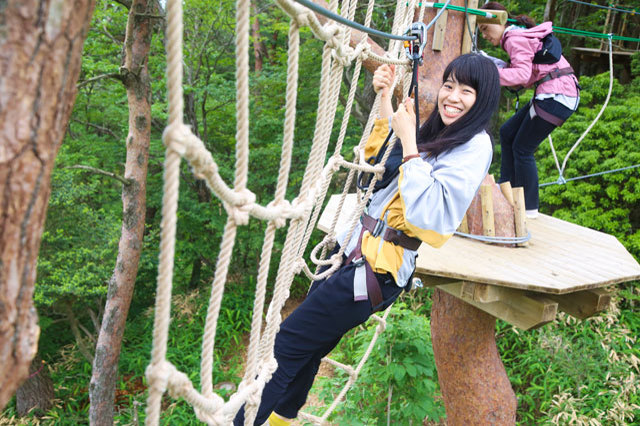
(531, 214)
(276, 420)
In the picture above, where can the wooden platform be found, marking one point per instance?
(597, 52)
(561, 258)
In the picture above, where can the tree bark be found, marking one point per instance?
(40, 53)
(36, 393)
(473, 381)
(137, 82)
(549, 11)
(258, 46)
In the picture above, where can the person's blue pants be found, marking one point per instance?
(310, 333)
(520, 136)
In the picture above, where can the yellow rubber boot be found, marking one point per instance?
(276, 420)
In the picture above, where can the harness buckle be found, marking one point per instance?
(359, 261)
(377, 230)
(414, 48)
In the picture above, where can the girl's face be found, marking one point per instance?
(454, 100)
(492, 32)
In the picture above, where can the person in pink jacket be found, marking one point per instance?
(556, 98)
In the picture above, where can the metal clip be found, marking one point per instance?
(414, 48)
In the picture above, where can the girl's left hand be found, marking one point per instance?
(404, 126)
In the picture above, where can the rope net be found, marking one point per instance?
(300, 214)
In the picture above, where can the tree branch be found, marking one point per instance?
(124, 181)
(95, 126)
(114, 75)
(125, 3)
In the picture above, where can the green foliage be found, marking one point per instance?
(401, 368)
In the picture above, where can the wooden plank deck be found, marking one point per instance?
(560, 258)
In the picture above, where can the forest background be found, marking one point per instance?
(568, 372)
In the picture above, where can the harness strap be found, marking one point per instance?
(371, 281)
(558, 72)
(395, 236)
(546, 116)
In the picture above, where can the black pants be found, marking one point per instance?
(310, 333)
(520, 136)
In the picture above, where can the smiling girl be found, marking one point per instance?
(422, 199)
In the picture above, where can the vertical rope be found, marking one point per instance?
(158, 383)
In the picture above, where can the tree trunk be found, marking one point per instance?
(36, 393)
(474, 383)
(135, 74)
(40, 53)
(549, 11)
(258, 47)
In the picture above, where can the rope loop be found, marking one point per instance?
(175, 137)
(240, 211)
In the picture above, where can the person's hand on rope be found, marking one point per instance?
(383, 79)
(404, 126)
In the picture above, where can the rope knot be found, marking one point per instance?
(175, 137)
(158, 375)
(303, 205)
(240, 210)
(284, 210)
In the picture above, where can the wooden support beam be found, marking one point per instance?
(467, 41)
(433, 281)
(583, 304)
(523, 309)
(500, 17)
(439, 31)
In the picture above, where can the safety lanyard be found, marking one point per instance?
(414, 50)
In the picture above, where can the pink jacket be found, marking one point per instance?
(521, 45)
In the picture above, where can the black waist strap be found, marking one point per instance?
(375, 226)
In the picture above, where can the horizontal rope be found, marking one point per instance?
(562, 180)
(583, 33)
(632, 11)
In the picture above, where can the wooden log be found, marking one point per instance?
(464, 225)
(486, 199)
(505, 187)
(474, 384)
(467, 42)
(439, 32)
(523, 309)
(583, 304)
(500, 17)
(519, 213)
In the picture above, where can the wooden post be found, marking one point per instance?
(439, 33)
(500, 17)
(486, 199)
(505, 187)
(467, 38)
(519, 213)
(464, 226)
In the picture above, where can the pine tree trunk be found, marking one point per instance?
(36, 393)
(40, 53)
(135, 75)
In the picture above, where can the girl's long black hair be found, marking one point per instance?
(480, 73)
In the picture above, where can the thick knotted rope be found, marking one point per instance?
(240, 203)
